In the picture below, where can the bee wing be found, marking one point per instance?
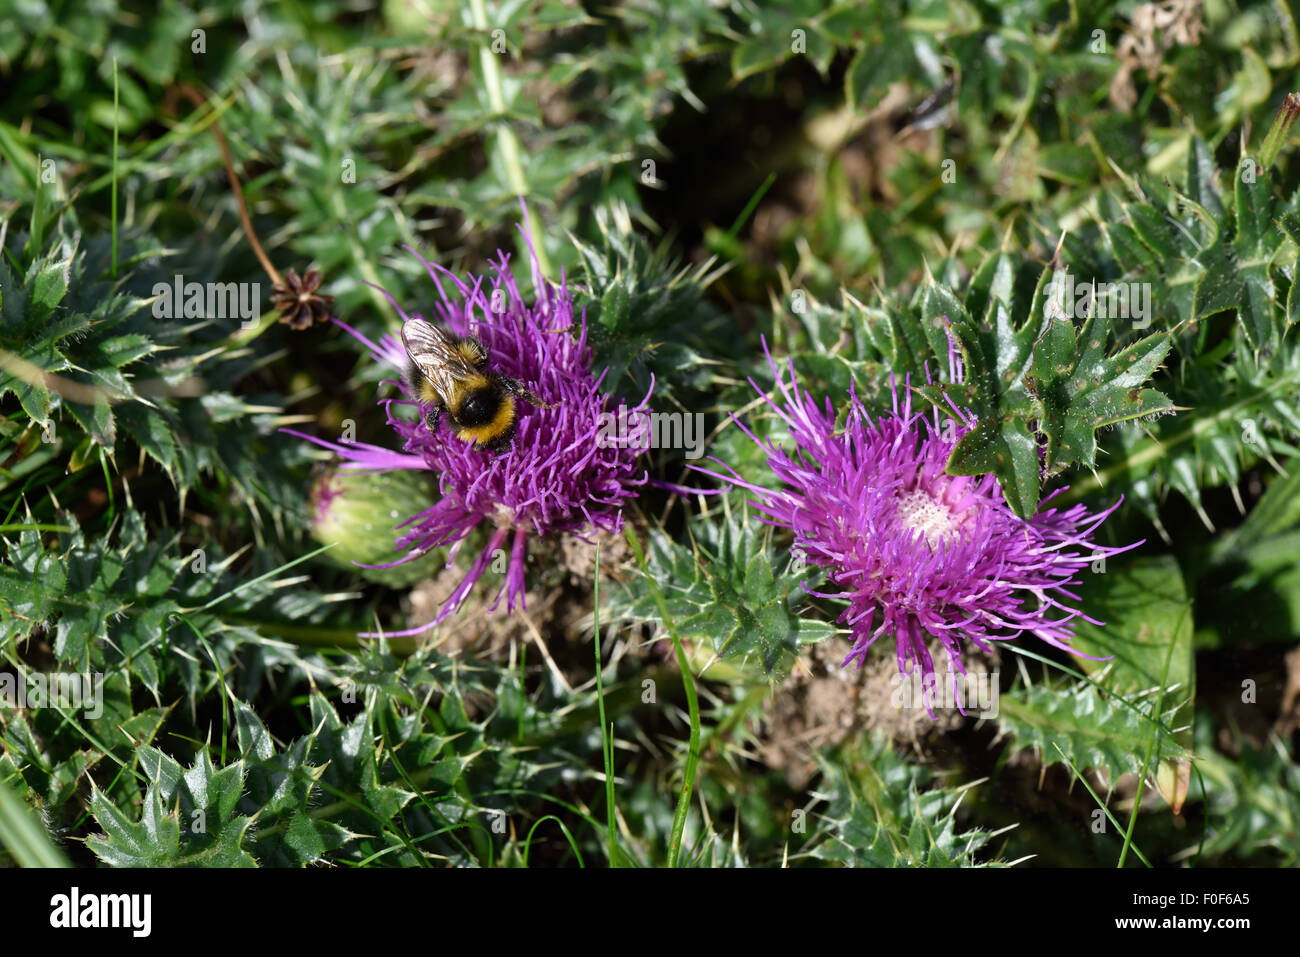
(434, 354)
(423, 338)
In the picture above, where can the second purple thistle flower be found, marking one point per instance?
(919, 554)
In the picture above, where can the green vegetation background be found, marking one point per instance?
(847, 179)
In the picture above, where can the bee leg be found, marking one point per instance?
(431, 419)
(517, 388)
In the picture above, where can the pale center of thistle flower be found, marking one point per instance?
(923, 513)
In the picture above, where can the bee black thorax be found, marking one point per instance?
(486, 416)
(478, 403)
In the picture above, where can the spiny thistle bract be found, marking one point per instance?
(555, 476)
(919, 553)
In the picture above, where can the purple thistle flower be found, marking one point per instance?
(556, 475)
(918, 552)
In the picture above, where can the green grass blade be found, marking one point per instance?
(114, 195)
(22, 835)
(692, 704)
(606, 731)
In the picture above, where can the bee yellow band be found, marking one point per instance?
(484, 434)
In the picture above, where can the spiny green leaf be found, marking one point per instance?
(885, 812)
(729, 589)
(1147, 639)
(1093, 731)
(1252, 802)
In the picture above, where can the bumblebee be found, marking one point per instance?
(449, 372)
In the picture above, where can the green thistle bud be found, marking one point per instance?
(358, 513)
